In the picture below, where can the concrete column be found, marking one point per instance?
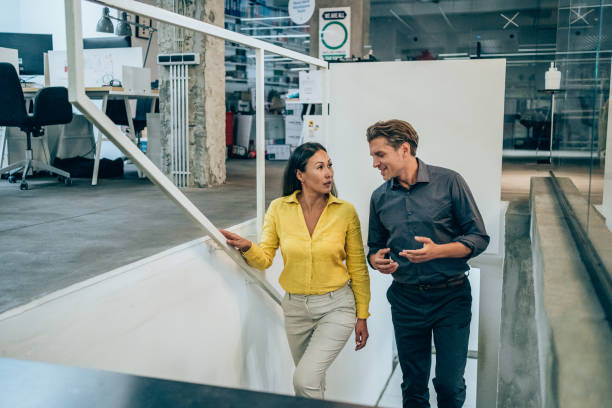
(360, 25)
(206, 92)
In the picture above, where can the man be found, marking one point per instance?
(424, 226)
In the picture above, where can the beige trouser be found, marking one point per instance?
(317, 327)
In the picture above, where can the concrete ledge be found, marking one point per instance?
(574, 338)
(519, 379)
(594, 224)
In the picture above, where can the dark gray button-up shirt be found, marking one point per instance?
(439, 206)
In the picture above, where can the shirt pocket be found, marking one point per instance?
(442, 212)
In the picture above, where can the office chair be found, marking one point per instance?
(143, 106)
(51, 107)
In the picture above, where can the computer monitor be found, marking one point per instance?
(30, 48)
(107, 42)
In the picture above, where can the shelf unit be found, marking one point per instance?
(240, 60)
(280, 75)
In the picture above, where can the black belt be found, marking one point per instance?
(437, 285)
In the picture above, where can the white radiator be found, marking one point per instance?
(179, 123)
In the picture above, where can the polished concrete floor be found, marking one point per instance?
(52, 236)
(392, 397)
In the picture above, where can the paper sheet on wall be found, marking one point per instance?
(311, 86)
(100, 66)
(293, 130)
(312, 129)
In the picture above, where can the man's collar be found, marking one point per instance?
(422, 175)
(292, 198)
(423, 172)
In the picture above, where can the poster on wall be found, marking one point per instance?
(300, 11)
(334, 33)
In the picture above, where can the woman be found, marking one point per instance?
(316, 233)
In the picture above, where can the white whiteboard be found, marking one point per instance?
(99, 65)
(456, 107)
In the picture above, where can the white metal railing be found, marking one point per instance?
(76, 94)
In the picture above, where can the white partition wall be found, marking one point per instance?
(456, 107)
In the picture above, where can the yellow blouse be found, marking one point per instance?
(315, 265)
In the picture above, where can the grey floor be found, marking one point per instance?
(392, 397)
(52, 235)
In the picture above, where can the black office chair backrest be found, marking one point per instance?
(51, 107)
(143, 106)
(12, 103)
(115, 110)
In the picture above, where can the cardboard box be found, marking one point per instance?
(278, 152)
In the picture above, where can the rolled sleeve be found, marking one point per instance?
(377, 234)
(358, 272)
(473, 232)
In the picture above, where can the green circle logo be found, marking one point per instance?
(331, 47)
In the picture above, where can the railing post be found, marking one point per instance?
(325, 105)
(260, 138)
(74, 49)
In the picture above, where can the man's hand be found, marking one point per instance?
(361, 334)
(427, 253)
(236, 241)
(382, 264)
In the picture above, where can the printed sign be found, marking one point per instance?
(300, 11)
(334, 33)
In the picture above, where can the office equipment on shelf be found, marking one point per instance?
(11, 56)
(51, 107)
(31, 48)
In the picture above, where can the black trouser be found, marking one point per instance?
(416, 314)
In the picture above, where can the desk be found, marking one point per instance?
(105, 94)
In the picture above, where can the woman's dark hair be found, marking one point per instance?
(297, 161)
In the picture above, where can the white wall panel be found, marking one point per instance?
(456, 107)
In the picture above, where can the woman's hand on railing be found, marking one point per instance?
(361, 334)
(236, 241)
